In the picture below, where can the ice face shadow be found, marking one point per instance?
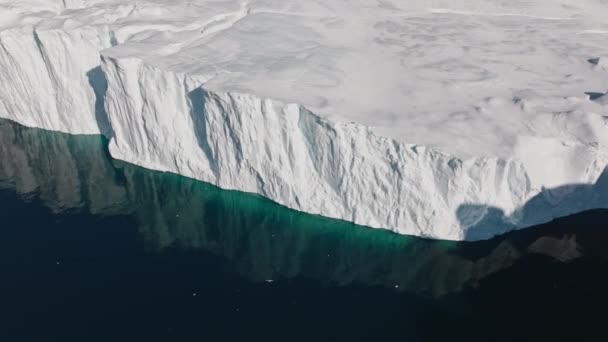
(99, 84)
(198, 100)
(484, 222)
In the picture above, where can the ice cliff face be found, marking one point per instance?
(296, 158)
(329, 115)
(45, 79)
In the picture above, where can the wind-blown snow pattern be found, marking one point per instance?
(443, 119)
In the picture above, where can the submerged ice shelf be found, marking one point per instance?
(431, 119)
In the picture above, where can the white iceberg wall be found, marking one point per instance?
(168, 121)
(47, 77)
(164, 121)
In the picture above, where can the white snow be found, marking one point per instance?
(445, 119)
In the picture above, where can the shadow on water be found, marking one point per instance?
(262, 240)
(98, 250)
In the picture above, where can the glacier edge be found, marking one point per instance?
(169, 121)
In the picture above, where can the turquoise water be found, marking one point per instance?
(98, 249)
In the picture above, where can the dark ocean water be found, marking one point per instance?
(93, 249)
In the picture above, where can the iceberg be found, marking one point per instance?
(435, 119)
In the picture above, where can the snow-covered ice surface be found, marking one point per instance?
(444, 119)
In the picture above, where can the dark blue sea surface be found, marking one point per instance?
(93, 249)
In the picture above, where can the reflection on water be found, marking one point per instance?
(260, 239)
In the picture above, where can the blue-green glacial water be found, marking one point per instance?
(93, 249)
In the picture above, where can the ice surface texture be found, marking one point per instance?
(444, 119)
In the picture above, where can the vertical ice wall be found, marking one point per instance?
(170, 121)
(53, 76)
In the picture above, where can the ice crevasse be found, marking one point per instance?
(426, 119)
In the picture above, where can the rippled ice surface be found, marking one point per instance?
(93, 249)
